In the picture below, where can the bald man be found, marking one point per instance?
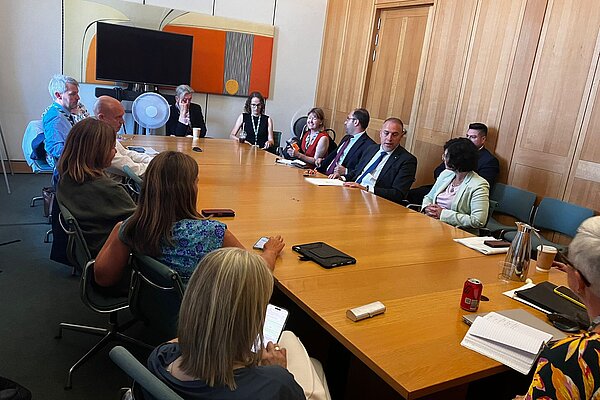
(110, 110)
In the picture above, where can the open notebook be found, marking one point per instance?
(505, 340)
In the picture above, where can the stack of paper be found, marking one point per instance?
(507, 341)
(324, 182)
(291, 163)
(476, 243)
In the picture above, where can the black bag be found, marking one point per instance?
(37, 147)
(10, 390)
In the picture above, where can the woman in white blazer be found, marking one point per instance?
(459, 196)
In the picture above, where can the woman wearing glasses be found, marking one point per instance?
(459, 196)
(570, 367)
(253, 124)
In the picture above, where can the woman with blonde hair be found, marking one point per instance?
(96, 201)
(167, 226)
(220, 322)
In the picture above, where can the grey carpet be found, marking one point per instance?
(35, 295)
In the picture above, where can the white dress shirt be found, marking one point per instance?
(138, 162)
(370, 179)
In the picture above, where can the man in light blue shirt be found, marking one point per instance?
(57, 118)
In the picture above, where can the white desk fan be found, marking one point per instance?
(150, 110)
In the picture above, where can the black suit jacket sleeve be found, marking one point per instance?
(397, 176)
(488, 166)
(331, 156)
(174, 127)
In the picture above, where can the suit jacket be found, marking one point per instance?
(397, 174)
(354, 154)
(174, 127)
(471, 204)
(488, 167)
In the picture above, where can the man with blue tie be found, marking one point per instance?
(351, 147)
(387, 169)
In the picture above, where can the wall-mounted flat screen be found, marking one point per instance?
(137, 55)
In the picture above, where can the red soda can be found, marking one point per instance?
(471, 294)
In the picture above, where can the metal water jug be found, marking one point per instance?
(516, 264)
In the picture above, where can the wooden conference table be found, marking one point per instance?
(405, 259)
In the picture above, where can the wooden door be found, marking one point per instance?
(395, 58)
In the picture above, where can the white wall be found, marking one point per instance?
(31, 44)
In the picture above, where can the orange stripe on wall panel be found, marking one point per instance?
(90, 66)
(208, 57)
(260, 71)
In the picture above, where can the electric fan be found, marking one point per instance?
(150, 110)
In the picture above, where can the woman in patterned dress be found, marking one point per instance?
(166, 225)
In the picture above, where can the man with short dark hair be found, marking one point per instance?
(351, 147)
(387, 169)
(488, 166)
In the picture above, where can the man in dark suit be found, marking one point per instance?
(351, 147)
(388, 169)
(185, 115)
(488, 166)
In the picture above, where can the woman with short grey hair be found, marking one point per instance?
(185, 115)
(570, 368)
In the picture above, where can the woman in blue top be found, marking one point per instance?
(167, 226)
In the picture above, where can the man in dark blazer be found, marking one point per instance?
(388, 169)
(351, 147)
(185, 115)
(488, 166)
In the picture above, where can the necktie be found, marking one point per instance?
(372, 167)
(71, 119)
(334, 163)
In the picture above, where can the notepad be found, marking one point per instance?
(325, 182)
(291, 163)
(476, 243)
(512, 343)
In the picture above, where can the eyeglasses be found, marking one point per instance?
(255, 105)
(560, 257)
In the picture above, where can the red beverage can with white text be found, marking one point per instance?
(471, 294)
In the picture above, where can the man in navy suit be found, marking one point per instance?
(388, 169)
(488, 166)
(351, 146)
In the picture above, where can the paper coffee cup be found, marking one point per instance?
(545, 256)
(196, 132)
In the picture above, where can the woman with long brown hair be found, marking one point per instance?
(96, 201)
(167, 226)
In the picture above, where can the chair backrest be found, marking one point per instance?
(560, 216)
(78, 252)
(156, 388)
(155, 294)
(517, 203)
(299, 126)
(332, 144)
(34, 128)
(101, 301)
(133, 182)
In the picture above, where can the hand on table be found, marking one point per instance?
(275, 244)
(355, 185)
(434, 211)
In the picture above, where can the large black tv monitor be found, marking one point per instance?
(137, 55)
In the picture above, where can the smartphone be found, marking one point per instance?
(275, 320)
(568, 294)
(217, 212)
(496, 243)
(260, 243)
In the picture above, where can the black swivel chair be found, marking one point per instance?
(93, 297)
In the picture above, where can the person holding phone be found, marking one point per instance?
(257, 126)
(570, 367)
(166, 225)
(220, 321)
(314, 143)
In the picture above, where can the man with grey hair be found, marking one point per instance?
(57, 118)
(111, 111)
(185, 115)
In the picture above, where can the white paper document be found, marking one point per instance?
(325, 182)
(291, 163)
(147, 150)
(476, 243)
(513, 295)
(507, 341)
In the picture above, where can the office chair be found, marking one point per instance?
(332, 144)
(152, 385)
(277, 139)
(512, 201)
(78, 252)
(155, 295)
(557, 216)
(300, 126)
(133, 183)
